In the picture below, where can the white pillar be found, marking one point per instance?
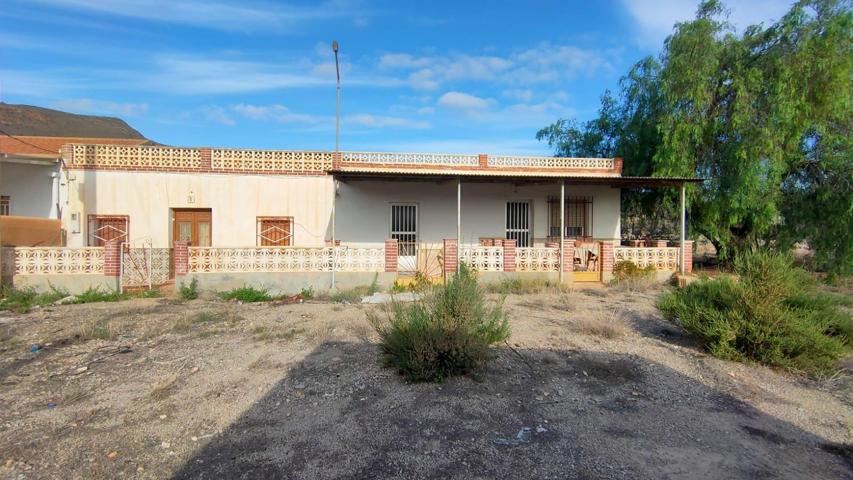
(458, 221)
(562, 225)
(334, 247)
(683, 221)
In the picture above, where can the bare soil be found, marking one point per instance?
(207, 389)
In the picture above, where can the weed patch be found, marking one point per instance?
(447, 333)
(96, 294)
(23, 300)
(189, 291)
(524, 287)
(247, 294)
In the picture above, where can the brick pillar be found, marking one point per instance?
(509, 255)
(607, 258)
(182, 258)
(568, 254)
(659, 243)
(483, 160)
(112, 258)
(206, 159)
(617, 164)
(337, 157)
(449, 255)
(688, 255)
(391, 253)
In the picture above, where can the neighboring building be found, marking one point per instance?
(30, 142)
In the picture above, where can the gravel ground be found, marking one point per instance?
(592, 384)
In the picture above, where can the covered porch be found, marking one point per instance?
(560, 227)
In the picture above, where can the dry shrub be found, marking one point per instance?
(448, 332)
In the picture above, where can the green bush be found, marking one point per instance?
(771, 313)
(189, 292)
(247, 294)
(307, 292)
(446, 333)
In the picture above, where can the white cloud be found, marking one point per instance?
(88, 105)
(543, 63)
(218, 115)
(275, 113)
(655, 18)
(464, 102)
(282, 114)
(524, 95)
(245, 16)
(379, 121)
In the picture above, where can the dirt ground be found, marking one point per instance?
(158, 388)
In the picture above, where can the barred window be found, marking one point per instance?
(275, 231)
(5, 205)
(578, 217)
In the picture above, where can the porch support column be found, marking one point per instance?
(562, 226)
(334, 246)
(458, 218)
(683, 220)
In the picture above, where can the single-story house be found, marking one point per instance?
(146, 215)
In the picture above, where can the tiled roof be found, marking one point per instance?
(45, 146)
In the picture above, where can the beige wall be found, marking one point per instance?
(364, 209)
(235, 202)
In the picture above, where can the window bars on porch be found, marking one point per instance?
(578, 216)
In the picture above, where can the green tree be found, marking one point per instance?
(764, 117)
(741, 112)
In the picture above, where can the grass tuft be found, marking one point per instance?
(247, 294)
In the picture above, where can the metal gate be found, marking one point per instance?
(404, 229)
(145, 266)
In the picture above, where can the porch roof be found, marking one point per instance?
(516, 177)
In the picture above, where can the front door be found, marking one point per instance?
(192, 226)
(404, 229)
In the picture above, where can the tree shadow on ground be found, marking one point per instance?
(338, 414)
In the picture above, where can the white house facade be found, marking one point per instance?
(148, 215)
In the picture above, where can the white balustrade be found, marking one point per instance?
(55, 260)
(661, 258)
(482, 258)
(432, 159)
(119, 156)
(270, 160)
(537, 259)
(285, 259)
(507, 161)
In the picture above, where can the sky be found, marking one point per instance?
(438, 76)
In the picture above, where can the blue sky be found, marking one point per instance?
(438, 76)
